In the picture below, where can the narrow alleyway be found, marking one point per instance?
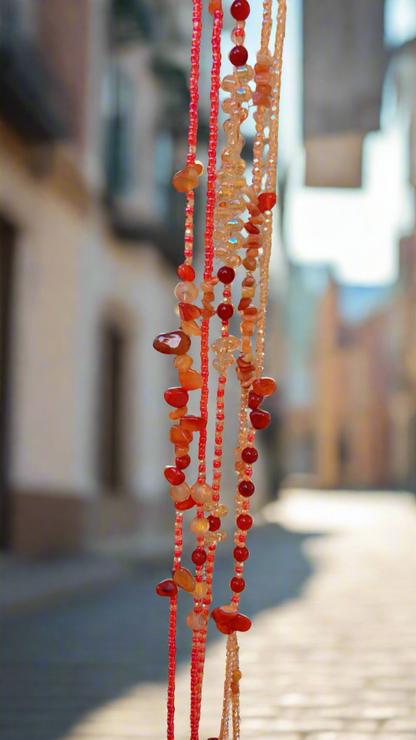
(331, 655)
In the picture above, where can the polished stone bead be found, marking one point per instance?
(191, 380)
(250, 263)
(246, 488)
(184, 579)
(199, 526)
(181, 450)
(196, 621)
(244, 522)
(241, 554)
(224, 614)
(193, 423)
(238, 56)
(260, 419)
(199, 556)
(266, 200)
(186, 272)
(225, 311)
(241, 623)
(214, 5)
(200, 590)
(244, 303)
(183, 462)
(188, 312)
(178, 413)
(188, 178)
(180, 492)
(254, 400)
(191, 328)
(186, 292)
(172, 343)
(260, 98)
(214, 523)
(226, 275)
(240, 10)
(167, 587)
(250, 455)
(185, 505)
(264, 386)
(177, 397)
(201, 492)
(173, 475)
(237, 584)
(251, 228)
(183, 363)
(180, 436)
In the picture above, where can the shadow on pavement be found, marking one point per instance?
(61, 664)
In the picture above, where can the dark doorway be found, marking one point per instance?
(7, 259)
(111, 463)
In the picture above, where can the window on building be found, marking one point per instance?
(119, 131)
(112, 406)
(7, 249)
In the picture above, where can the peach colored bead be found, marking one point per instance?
(191, 328)
(214, 5)
(181, 450)
(186, 292)
(175, 415)
(200, 590)
(201, 492)
(196, 621)
(191, 380)
(184, 579)
(248, 292)
(180, 493)
(236, 676)
(183, 362)
(199, 527)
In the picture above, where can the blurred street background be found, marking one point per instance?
(94, 104)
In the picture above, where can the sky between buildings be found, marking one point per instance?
(355, 230)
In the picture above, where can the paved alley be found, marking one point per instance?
(331, 654)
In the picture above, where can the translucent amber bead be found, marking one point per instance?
(221, 510)
(167, 587)
(191, 380)
(196, 621)
(191, 328)
(262, 78)
(174, 475)
(267, 201)
(180, 493)
(186, 292)
(225, 344)
(250, 263)
(264, 59)
(183, 363)
(200, 590)
(243, 94)
(224, 361)
(177, 413)
(201, 492)
(247, 292)
(260, 419)
(236, 676)
(260, 98)
(187, 179)
(172, 343)
(264, 386)
(199, 527)
(193, 423)
(188, 312)
(184, 579)
(244, 74)
(177, 397)
(181, 450)
(185, 505)
(233, 260)
(247, 327)
(179, 436)
(209, 505)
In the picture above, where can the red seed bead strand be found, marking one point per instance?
(198, 649)
(172, 632)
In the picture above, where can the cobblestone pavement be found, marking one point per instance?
(331, 587)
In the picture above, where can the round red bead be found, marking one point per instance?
(225, 311)
(254, 400)
(177, 397)
(174, 476)
(260, 419)
(199, 556)
(214, 523)
(186, 272)
(226, 274)
(185, 505)
(246, 488)
(241, 554)
(182, 462)
(244, 521)
(267, 201)
(240, 10)
(237, 585)
(250, 455)
(238, 56)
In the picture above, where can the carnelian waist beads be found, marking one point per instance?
(238, 217)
